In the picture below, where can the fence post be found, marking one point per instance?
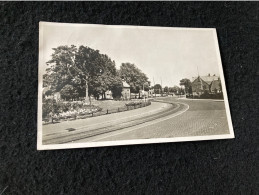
(118, 109)
(92, 114)
(107, 111)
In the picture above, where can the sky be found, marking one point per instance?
(165, 55)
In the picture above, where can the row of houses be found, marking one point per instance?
(199, 84)
(125, 94)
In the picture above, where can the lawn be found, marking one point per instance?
(109, 104)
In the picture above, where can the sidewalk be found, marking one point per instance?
(215, 100)
(103, 120)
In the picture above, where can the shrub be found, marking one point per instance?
(51, 106)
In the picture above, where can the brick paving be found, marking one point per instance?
(202, 118)
(160, 120)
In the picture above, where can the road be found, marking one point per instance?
(169, 117)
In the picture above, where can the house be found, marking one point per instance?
(209, 84)
(108, 94)
(125, 90)
(215, 86)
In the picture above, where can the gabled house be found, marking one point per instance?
(209, 84)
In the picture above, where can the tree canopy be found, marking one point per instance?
(157, 89)
(186, 83)
(166, 89)
(134, 77)
(78, 67)
(174, 89)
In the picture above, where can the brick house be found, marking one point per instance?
(209, 84)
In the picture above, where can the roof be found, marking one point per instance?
(124, 84)
(207, 79)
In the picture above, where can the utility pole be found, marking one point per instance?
(154, 86)
(161, 88)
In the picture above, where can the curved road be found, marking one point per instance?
(178, 118)
(91, 127)
(203, 117)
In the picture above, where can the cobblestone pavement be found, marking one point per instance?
(169, 117)
(205, 117)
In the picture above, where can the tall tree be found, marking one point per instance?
(166, 89)
(68, 92)
(88, 71)
(134, 77)
(174, 89)
(116, 87)
(158, 89)
(186, 83)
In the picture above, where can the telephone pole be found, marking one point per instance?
(161, 88)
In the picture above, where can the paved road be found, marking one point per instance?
(172, 118)
(205, 117)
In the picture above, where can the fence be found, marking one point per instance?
(127, 107)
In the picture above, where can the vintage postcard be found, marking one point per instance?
(106, 85)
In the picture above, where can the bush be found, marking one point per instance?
(51, 106)
(48, 106)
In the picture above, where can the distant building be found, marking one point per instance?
(146, 94)
(125, 90)
(108, 94)
(209, 84)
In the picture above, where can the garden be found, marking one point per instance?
(57, 111)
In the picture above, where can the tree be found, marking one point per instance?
(186, 83)
(88, 71)
(49, 92)
(116, 88)
(134, 77)
(166, 89)
(68, 92)
(59, 74)
(174, 89)
(190, 90)
(157, 89)
(102, 82)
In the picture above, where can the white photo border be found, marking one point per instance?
(40, 146)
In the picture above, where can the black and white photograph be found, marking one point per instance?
(107, 85)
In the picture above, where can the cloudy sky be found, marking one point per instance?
(163, 54)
